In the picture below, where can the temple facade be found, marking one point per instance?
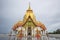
(29, 26)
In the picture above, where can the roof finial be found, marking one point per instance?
(29, 6)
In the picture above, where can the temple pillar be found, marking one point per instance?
(33, 32)
(42, 32)
(25, 34)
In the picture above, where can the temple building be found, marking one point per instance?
(29, 26)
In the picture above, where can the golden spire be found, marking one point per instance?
(29, 8)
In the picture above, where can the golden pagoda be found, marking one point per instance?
(29, 26)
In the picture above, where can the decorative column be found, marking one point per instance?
(42, 32)
(10, 34)
(26, 33)
(33, 32)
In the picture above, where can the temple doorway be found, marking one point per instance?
(29, 31)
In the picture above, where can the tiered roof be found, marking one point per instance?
(29, 14)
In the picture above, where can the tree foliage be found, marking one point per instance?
(55, 32)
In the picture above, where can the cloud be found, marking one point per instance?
(54, 27)
(46, 11)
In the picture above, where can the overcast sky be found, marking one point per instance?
(46, 11)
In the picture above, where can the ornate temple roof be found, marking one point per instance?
(29, 13)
